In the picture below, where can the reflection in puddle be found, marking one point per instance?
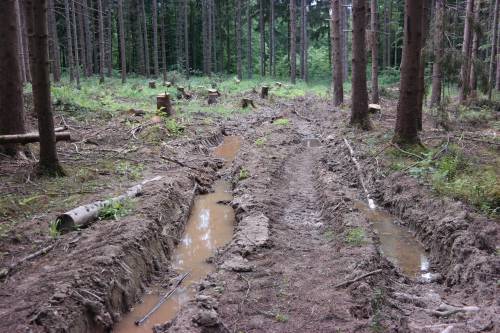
(210, 226)
(397, 243)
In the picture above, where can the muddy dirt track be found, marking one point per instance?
(305, 255)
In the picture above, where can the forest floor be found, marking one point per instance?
(307, 253)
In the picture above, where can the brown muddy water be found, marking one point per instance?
(209, 227)
(397, 243)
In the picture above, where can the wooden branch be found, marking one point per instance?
(161, 301)
(31, 137)
(347, 283)
(84, 215)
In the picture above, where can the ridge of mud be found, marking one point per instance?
(93, 276)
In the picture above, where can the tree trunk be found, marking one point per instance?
(101, 41)
(338, 89)
(140, 39)
(109, 38)
(186, 38)
(75, 38)
(39, 59)
(156, 63)
(11, 86)
(238, 39)
(306, 46)
(19, 24)
(88, 39)
(163, 15)
(272, 42)
(262, 40)
(81, 37)
(374, 49)
(123, 54)
(437, 70)
(421, 69)
(205, 29)
(359, 111)
(293, 42)
(344, 39)
(24, 41)
(497, 82)
(302, 39)
(146, 41)
(475, 49)
(466, 52)
(494, 55)
(54, 42)
(69, 39)
(406, 131)
(249, 41)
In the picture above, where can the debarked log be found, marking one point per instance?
(31, 137)
(84, 215)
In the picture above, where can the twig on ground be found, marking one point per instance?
(349, 282)
(407, 152)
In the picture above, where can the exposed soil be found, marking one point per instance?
(300, 234)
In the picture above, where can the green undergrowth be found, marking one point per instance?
(355, 237)
(116, 210)
(452, 173)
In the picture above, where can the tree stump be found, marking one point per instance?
(264, 92)
(181, 93)
(246, 102)
(163, 104)
(374, 108)
(279, 84)
(212, 96)
(152, 84)
(168, 84)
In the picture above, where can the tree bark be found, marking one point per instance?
(466, 53)
(406, 131)
(109, 37)
(140, 40)
(338, 89)
(156, 63)
(101, 40)
(11, 87)
(374, 49)
(123, 54)
(186, 38)
(302, 39)
(475, 49)
(249, 41)
(54, 43)
(494, 55)
(272, 42)
(262, 40)
(293, 42)
(163, 15)
(69, 40)
(75, 38)
(437, 69)
(19, 24)
(81, 37)
(39, 59)
(421, 69)
(238, 40)
(88, 39)
(146, 41)
(359, 110)
(344, 39)
(24, 41)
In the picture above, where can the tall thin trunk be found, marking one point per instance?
(262, 40)
(11, 86)
(156, 63)
(359, 110)
(24, 41)
(475, 49)
(466, 52)
(213, 36)
(338, 89)
(140, 40)
(406, 131)
(497, 81)
(344, 39)
(238, 39)
(421, 69)
(494, 55)
(75, 38)
(272, 42)
(69, 39)
(101, 40)
(39, 59)
(186, 38)
(302, 39)
(56, 57)
(81, 37)
(123, 54)
(437, 69)
(293, 41)
(163, 15)
(22, 67)
(229, 64)
(146, 40)
(109, 38)
(374, 49)
(249, 41)
(88, 39)
(205, 36)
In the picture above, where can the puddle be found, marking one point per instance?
(398, 244)
(209, 227)
(311, 142)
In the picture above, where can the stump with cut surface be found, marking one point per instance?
(374, 108)
(212, 96)
(181, 93)
(264, 92)
(163, 104)
(246, 102)
(168, 84)
(152, 84)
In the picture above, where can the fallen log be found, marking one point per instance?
(82, 216)
(31, 137)
(161, 301)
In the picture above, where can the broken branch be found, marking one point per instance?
(347, 283)
(31, 137)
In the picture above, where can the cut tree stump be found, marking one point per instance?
(213, 94)
(374, 108)
(84, 215)
(182, 93)
(163, 104)
(152, 84)
(246, 102)
(279, 84)
(31, 138)
(264, 92)
(168, 84)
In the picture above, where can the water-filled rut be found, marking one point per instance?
(209, 227)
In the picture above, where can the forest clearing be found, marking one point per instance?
(249, 166)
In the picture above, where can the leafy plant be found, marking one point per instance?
(260, 142)
(115, 210)
(281, 318)
(282, 122)
(54, 229)
(174, 127)
(244, 174)
(355, 237)
(131, 171)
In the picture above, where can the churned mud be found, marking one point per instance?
(268, 217)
